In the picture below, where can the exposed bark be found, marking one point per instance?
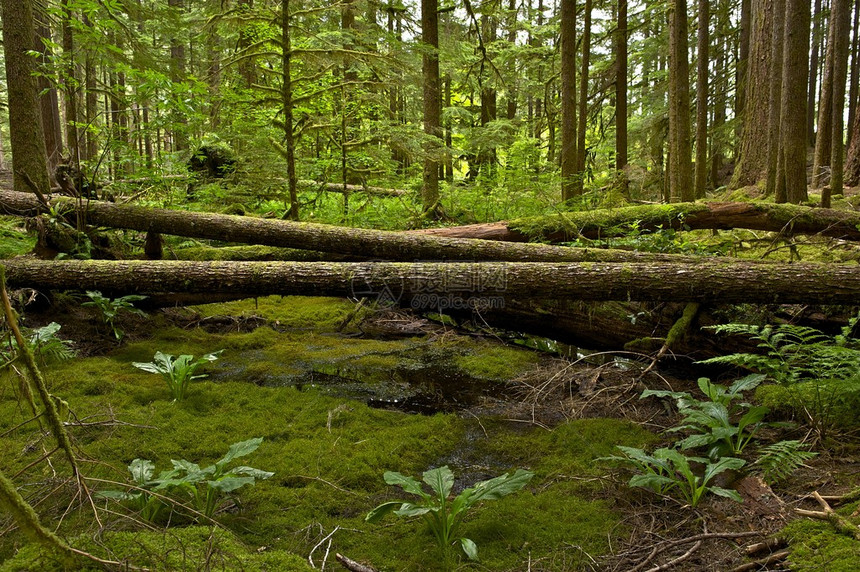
(29, 160)
(287, 102)
(752, 156)
(432, 103)
(594, 224)
(431, 283)
(813, 71)
(840, 11)
(350, 241)
(569, 187)
(795, 67)
(855, 76)
(680, 148)
(821, 156)
(775, 98)
(49, 101)
(583, 98)
(852, 158)
(702, 65)
(621, 87)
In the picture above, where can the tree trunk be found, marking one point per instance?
(680, 165)
(840, 16)
(441, 283)
(177, 73)
(287, 102)
(569, 187)
(852, 159)
(751, 10)
(751, 164)
(432, 105)
(795, 67)
(583, 99)
(621, 87)
(340, 188)
(49, 101)
(679, 216)
(29, 160)
(823, 136)
(775, 99)
(702, 66)
(813, 71)
(70, 82)
(855, 76)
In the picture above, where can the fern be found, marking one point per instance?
(43, 342)
(781, 459)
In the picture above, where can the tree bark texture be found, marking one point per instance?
(813, 71)
(569, 187)
(840, 15)
(621, 87)
(795, 67)
(319, 237)
(775, 98)
(422, 284)
(821, 155)
(287, 102)
(564, 227)
(702, 64)
(29, 160)
(680, 148)
(752, 159)
(852, 158)
(340, 188)
(432, 102)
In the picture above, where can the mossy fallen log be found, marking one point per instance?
(318, 237)
(449, 285)
(562, 227)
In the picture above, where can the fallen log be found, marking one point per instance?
(348, 189)
(319, 237)
(452, 285)
(567, 226)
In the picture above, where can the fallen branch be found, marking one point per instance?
(765, 563)
(352, 565)
(677, 560)
(839, 522)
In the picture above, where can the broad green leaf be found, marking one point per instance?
(251, 472)
(728, 493)
(651, 481)
(470, 548)
(752, 416)
(141, 470)
(441, 481)
(228, 484)
(376, 514)
(117, 495)
(240, 450)
(499, 487)
(186, 466)
(408, 484)
(149, 367)
(409, 509)
(724, 464)
(662, 393)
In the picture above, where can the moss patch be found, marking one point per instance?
(14, 240)
(816, 545)
(496, 362)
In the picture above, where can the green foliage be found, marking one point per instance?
(710, 421)
(177, 372)
(444, 516)
(204, 488)
(818, 374)
(110, 308)
(781, 459)
(668, 471)
(43, 342)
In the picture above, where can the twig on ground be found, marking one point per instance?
(762, 562)
(352, 565)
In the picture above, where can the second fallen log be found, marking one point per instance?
(423, 285)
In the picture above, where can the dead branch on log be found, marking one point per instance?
(352, 565)
(839, 522)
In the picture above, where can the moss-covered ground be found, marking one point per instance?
(305, 389)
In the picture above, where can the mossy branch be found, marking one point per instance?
(839, 522)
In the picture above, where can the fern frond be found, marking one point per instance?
(780, 460)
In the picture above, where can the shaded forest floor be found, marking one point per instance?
(390, 391)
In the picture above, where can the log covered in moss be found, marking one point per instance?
(561, 227)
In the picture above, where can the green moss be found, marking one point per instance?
(816, 545)
(253, 252)
(175, 549)
(14, 240)
(495, 362)
(301, 312)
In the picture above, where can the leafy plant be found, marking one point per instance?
(177, 372)
(204, 488)
(110, 308)
(710, 421)
(442, 514)
(43, 342)
(779, 460)
(668, 471)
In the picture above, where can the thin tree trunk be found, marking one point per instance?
(71, 85)
(49, 102)
(840, 15)
(775, 99)
(749, 13)
(813, 72)
(432, 105)
(583, 98)
(569, 187)
(287, 102)
(680, 166)
(855, 76)
(621, 87)
(824, 135)
(795, 69)
(702, 67)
